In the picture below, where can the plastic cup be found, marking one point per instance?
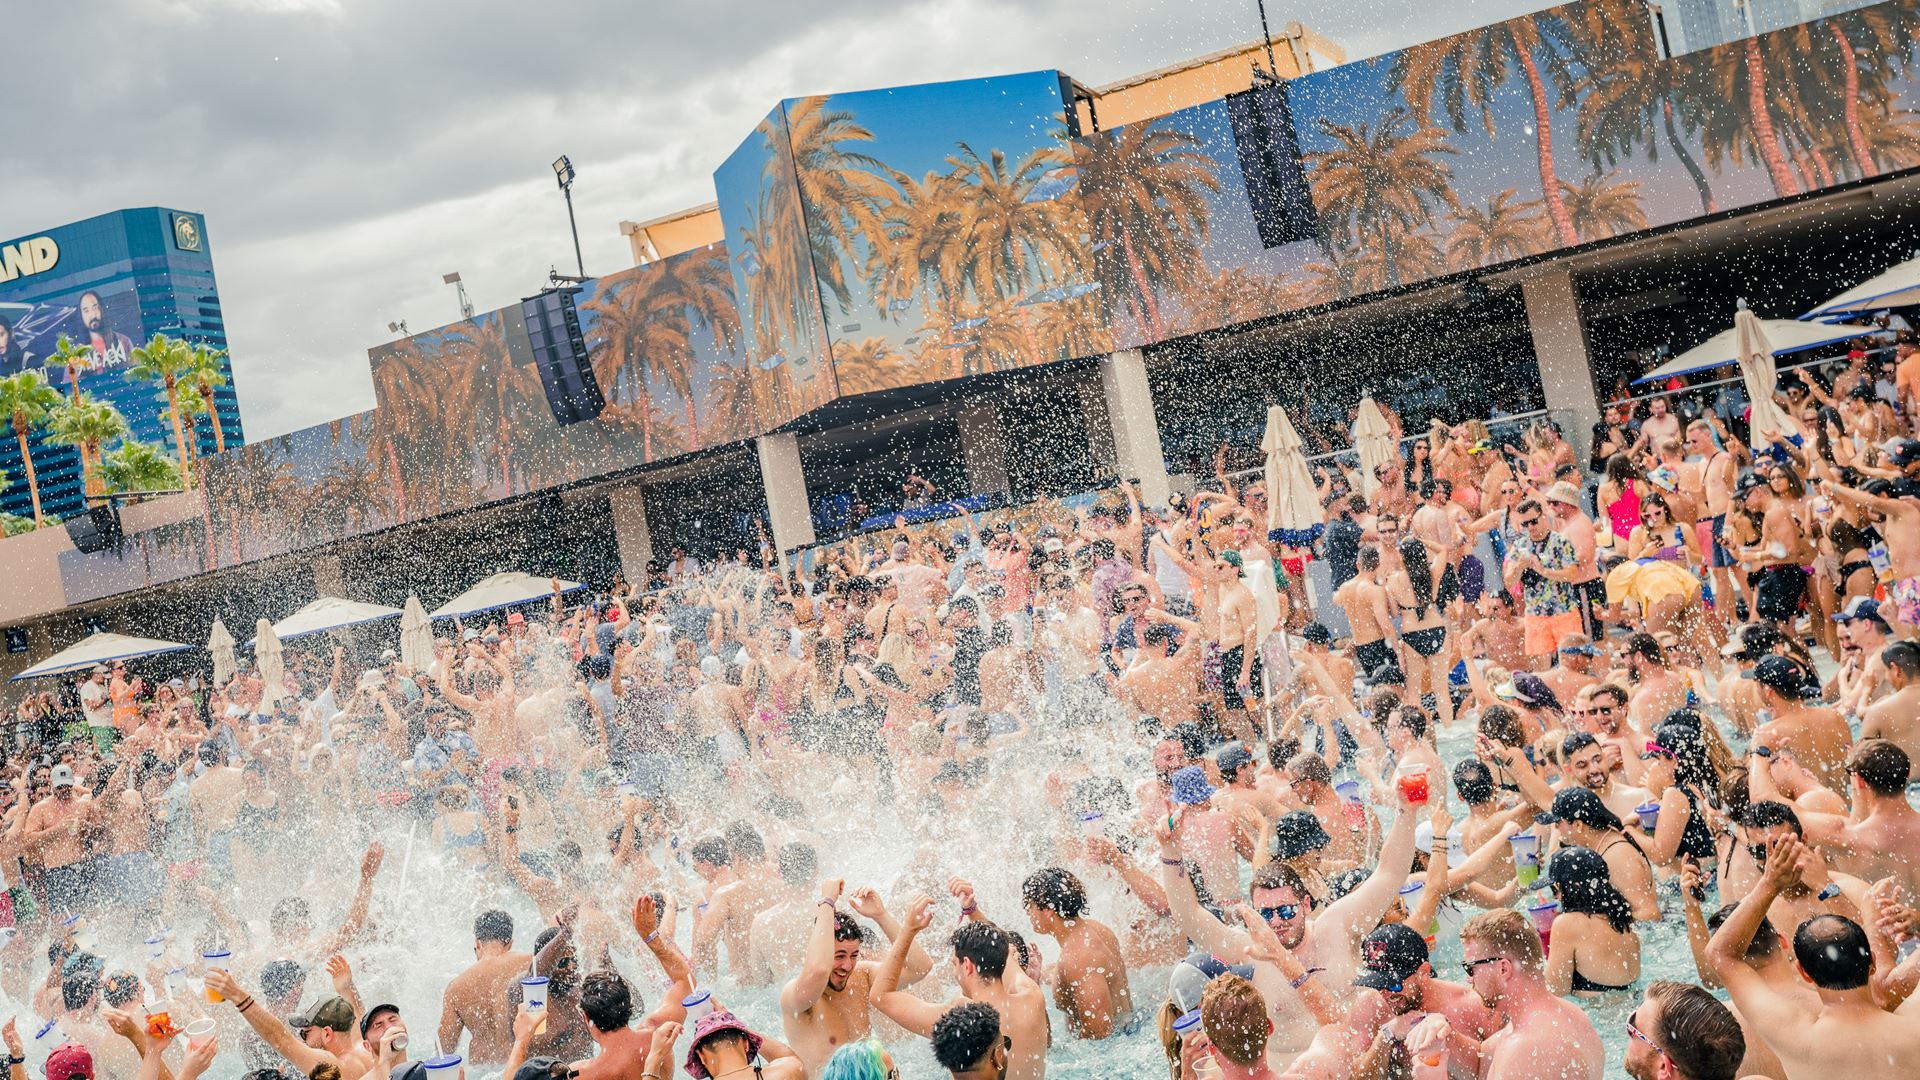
(1413, 783)
(48, 1037)
(199, 1032)
(697, 1004)
(215, 961)
(443, 1066)
(533, 991)
(1186, 1023)
(1526, 858)
(1091, 825)
(160, 1018)
(1542, 915)
(156, 947)
(1410, 893)
(1206, 1067)
(1351, 804)
(1649, 815)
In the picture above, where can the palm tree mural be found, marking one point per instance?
(25, 402)
(1239, 294)
(1502, 230)
(1380, 186)
(1736, 72)
(871, 364)
(841, 187)
(1012, 241)
(1143, 188)
(919, 225)
(1623, 86)
(1603, 207)
(87, 426)
(1465, 70)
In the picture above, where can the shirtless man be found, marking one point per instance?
(1778, 563)
(471, 1002)
(1711, 479)
(1896, 717)
(730, 914)
(1545, 1036)
(53, 833)
(1562, 501)
(1241, 673)
(214, 798)
(1844, 1032)
(1364, 599)
(1572, 671)
(779, 934)
(1600, 710)
(827, 1004)
(981, 952)
(1396, 967)
(1499, 634)
(323, 1035)
(1090, 984)
(491, 704)
(1214, 839)
(1657, 691)
(1882, 839)
(1816, 736)
(1164, 680)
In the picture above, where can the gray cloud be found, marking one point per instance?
(349, 152)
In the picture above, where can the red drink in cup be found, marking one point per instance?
(1413, 783)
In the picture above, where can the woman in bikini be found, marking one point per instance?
(1619, 496)
(1659, 536)
(1592, 948)
(1423, 626)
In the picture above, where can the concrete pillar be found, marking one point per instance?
(789, 510)
(328, 578)
(1132, 425)
(1560, 346)
(1100, 448)
(628, 508)
(983, 446)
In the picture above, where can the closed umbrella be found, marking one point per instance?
(1897, 287)
(416, 635)
(220, 645)
(1373, 441)
(99, 647)
(1757, 371)
(273, 671)
(1293, 506)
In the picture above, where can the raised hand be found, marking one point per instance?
(832, 888)
(867, 902)
(1264, 944)
(646, 918)
(370, 862)
(200, 1057)
(341, 972)
(962, 890)
(11, 1033)
(1783, 862)
(919, 914)
(660, 1052)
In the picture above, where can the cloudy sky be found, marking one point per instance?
(349, 152)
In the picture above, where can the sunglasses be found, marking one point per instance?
(1530, 523)
(1469, 965)
(1636, 1033)
(1758, 852)
(1279, 911)
(1654, 750)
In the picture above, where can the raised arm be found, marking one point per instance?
(269, 1027)
(804, 990)
(646, 923)
(1764, 1008)
(1195, 921)
(356, 919)
(866, 902)
(1358, 912)
(902, 1008)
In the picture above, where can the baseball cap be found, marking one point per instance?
(367, 1020)
(1902, 452)
(1860, 607)
(540, 1068)
(1783, 676)
(1233, 757)
(335, 1012)
(1749, 481)
(1190, 787)
(69, 1061)
(1190, 978)
(516, 619)
(1297, 833)
(714, 1023)
(62, 776)
(1387, 674)
(470, 634)
(1389, 957)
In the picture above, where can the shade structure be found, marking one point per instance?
(416, 635)
(1373, 441)
(504, 589)
(1757, 371)
(1293, 506)
(220, 647)
(99, 647)
(330, 613)
(1899, 286)
(273, 670)
(1723, 348)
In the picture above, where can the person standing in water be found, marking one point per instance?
(828, 1004)
(981, 952)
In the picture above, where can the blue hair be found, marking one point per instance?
(863, 1060)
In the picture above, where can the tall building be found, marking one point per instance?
(110, 282)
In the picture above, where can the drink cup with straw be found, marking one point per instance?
(215, 961)
(1542, 915)
(698, 1004)
(444, 1067)
(1649, 813)
(533, 992)
(1526, 858)
(1350, 803)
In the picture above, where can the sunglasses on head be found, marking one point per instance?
(1654, 749)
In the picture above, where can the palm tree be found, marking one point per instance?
(839, 185)
(208, 375)
(1144, 190)
(1501, 231)
(871, 364)
(26, 400)
(75, 358)
(1602, 208)
(88, 426)
(1623, 84)
(1011, 241)
(168, 362)
(918, 223)
(192, 406)
(1464, 71)
(138, 466)
(1380, 184)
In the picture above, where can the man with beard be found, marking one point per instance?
(1657, 690)
(1682, 1032)
(111, 348)
(1600, 710)
(828, 1004)
(1394, 963)
(1584, 762)
(1545, 1036)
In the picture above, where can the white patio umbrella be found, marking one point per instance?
(1373, 441)
(1757, 370)
(1785, 336)
(1899, 286)
(1293, 507)
(220, 646)
(504, 589)
(99, 647)
(273, 671)
(416, 635)
(330, 613)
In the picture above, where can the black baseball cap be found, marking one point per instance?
(1233, 757)
(1784, 676)
(1749, 481)
(1390, 956)
(367, 1020)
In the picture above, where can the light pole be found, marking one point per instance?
(563, 172)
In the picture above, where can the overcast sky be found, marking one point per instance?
(347, 153)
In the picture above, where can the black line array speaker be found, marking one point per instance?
(1269, 152)
(96, 530)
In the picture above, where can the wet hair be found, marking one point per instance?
(1473, 782)
(1697, 1031)
(845, 929)
(1902, 656)
(1502, 725)
(1577, 804)
(1693, 763)
(1282, 750)
(1310, 767)
(1346, 881)
(985, 944)
(1057, 890)
(1647, 647)
(1575, 743)
(1414, 719)
(798, 863)
(1506, 933)
(745, 842)
(289, 915)
(1832, 950)
(607, 1000)
(862, 1060)
(1234, 1016)
(1613, 690)
(1882, 766)
(1413, 557)
(1278, 875)
(711, 850)
(493, 925)
(965, 1035)
(1369, 557)
(120, 988)
(281, 978)
(1765, 815)
(1585, 887)
(1155, 634)
(1766, 940)
(79, 984)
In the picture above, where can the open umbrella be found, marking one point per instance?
(502, 590)
(330, 613)
(1757, 371)
(99, 647)
(1785, 335)
(273, 671)
(1373, 441)
(1897, 287)
(220, 645)
(416, 635)
(1293, 506)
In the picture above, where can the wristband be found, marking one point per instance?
(969, 909)
(245, 1005)
(650, 938)
(1172, 862)
(1304, 976)
(824, 900)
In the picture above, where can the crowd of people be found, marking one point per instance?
(1124, 776)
